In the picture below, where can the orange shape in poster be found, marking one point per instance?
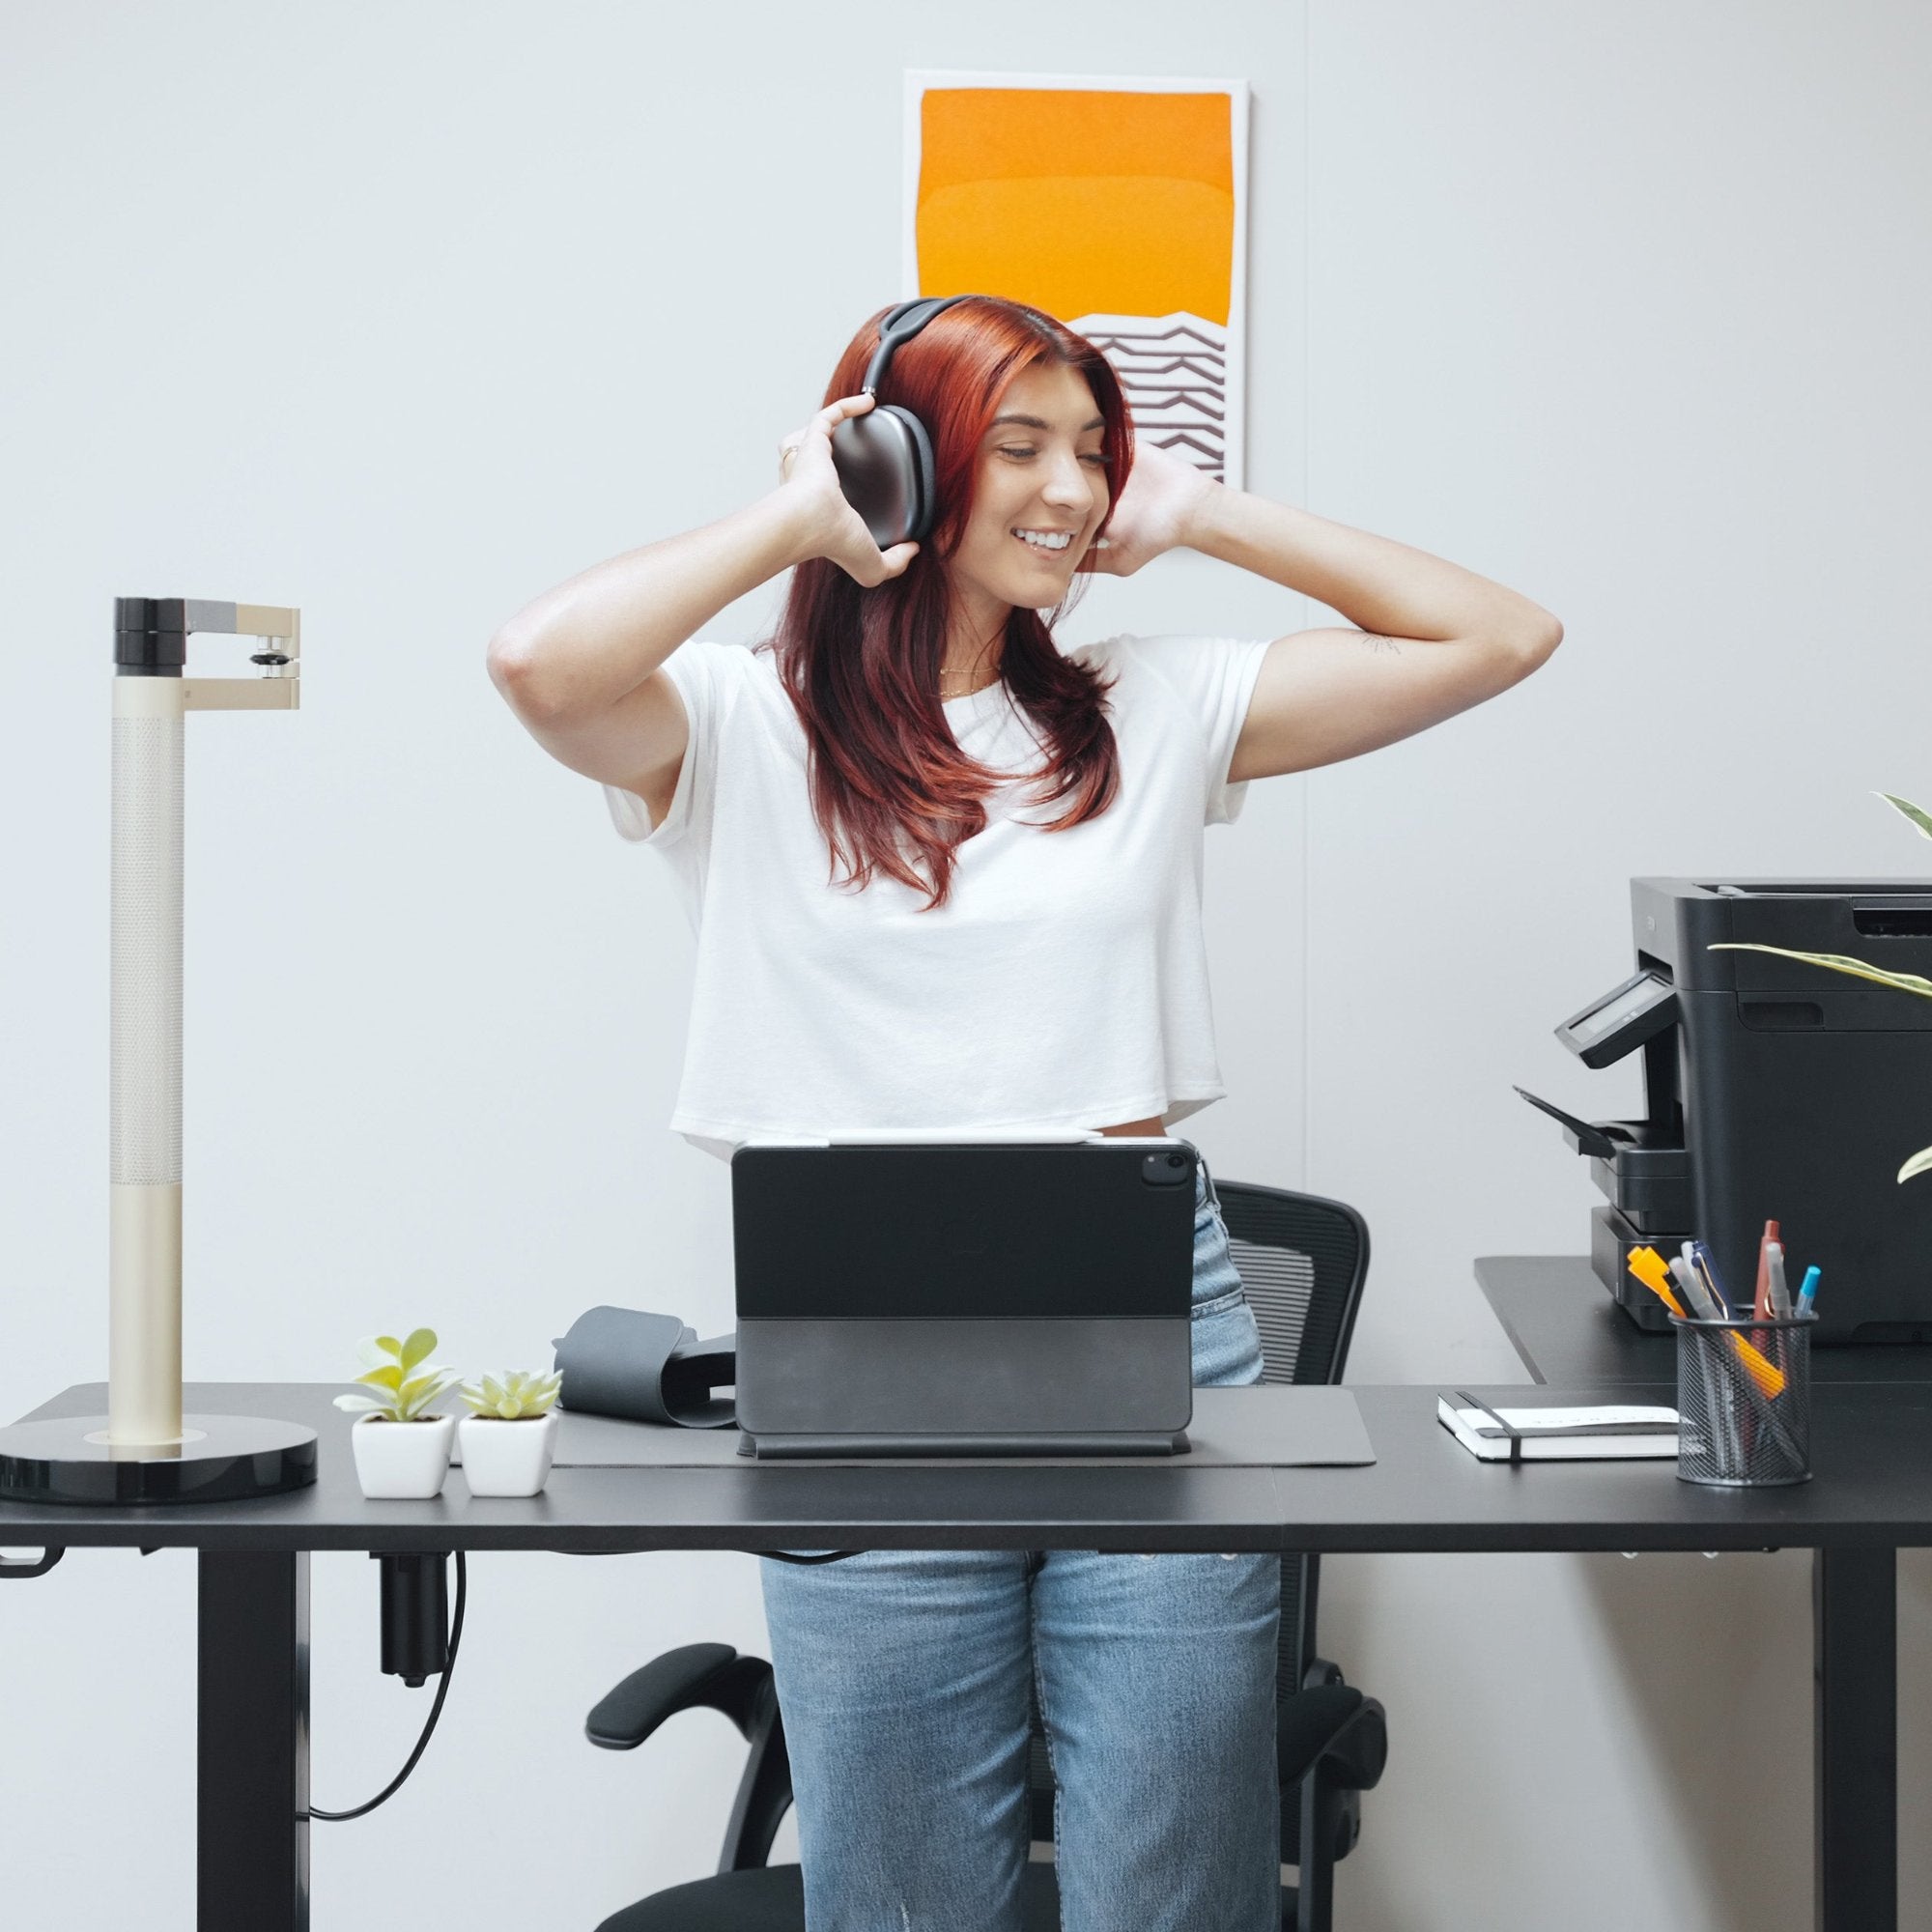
(1079, 200)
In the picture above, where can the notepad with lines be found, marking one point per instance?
(1525, 1433)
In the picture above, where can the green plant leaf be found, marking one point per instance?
(417, 1347)
(390, 1346)
(355, 1403)
(1919, 1163)
(389, 1378)
(370, 1352)
(538, 1392)
(1837, 962)
(1923, 820)
(512, 1395)
(416, 1394)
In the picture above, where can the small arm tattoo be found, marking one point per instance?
(1377, 642)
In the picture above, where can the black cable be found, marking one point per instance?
(828, 1556)
(434, 1710)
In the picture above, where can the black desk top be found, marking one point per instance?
(1561, 1320)
(1872, 1444)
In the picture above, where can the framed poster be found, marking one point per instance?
(1117, 206)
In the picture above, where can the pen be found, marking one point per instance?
(1650, 1268)
(1779, 1292)
(1761, 1300)
(1809, 1292)
(1698, 1255)
(1764, 1373)
(1693, 1289)
(1697, 1285)
(1764, 1378)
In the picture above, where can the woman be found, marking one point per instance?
(943, 873)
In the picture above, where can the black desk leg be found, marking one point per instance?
(1855, 1740)
(251, 1835)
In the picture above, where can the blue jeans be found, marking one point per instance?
(904, 1674)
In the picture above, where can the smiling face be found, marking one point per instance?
(1040, 470)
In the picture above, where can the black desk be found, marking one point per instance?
(1871, 1407)
(1562, 1321)
(1423, 1494)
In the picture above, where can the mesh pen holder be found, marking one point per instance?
(1744, 1401)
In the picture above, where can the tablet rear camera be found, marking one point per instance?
(1166, 1170)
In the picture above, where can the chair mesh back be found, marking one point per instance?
(1302, 1261)
(1281, 1290)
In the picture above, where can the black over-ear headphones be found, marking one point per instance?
(884, 458)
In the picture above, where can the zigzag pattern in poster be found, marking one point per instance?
(1174, 370)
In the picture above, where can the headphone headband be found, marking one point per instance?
(884, 457)
(900, 323)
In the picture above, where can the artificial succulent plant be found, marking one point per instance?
(512, 1396)
(404, 1379)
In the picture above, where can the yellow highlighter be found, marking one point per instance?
(1761, 1369)
(1649, 1267)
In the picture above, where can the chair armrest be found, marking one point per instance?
(710, 1676)
(1331, 1724)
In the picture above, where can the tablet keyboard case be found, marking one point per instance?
(958, 1299)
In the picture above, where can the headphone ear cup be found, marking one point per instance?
(926, 476)
(884, 459)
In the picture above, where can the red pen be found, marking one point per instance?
(1761, 1308)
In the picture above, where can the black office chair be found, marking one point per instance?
(1302, 1261)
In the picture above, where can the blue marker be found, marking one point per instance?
(1809, 1292)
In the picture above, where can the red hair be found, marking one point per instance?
(890, 786)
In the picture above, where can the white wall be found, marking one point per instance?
(403, 314)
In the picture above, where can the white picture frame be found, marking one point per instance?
(1185, 376)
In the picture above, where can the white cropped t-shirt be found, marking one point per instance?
(1062, 985)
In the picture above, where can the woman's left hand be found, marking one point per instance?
(1155, 510)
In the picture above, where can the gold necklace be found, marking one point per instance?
(970, 689)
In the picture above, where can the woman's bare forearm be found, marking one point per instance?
(585, 646)
(593, 639)
(1375, 582)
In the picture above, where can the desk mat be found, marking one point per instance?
(1263, 1427)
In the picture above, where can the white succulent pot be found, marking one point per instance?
(508, 1459)
(397, 1460)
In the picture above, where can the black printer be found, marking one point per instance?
(1773, 1090)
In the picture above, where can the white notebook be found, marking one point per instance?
(1525, 1433)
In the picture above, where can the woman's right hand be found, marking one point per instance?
(833, 528)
